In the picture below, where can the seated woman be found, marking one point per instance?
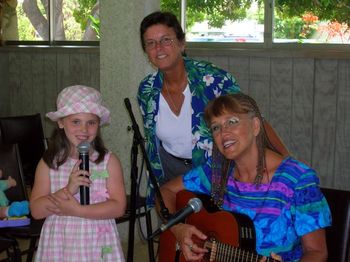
(248, 176)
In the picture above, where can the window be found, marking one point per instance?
(264, 21)
(50, 21)
(324, 21)
(242, 26)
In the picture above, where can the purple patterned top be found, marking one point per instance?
(284, 210)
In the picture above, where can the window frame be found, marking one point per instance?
(268, 36)
(51, 41)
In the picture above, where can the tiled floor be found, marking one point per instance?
(141, 252)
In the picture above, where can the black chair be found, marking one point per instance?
(9, 246)
(338, 235)
(27, 132)
(10, 163)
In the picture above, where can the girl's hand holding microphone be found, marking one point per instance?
(78, 178)
(65, 203)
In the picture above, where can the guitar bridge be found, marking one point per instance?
(211, 246)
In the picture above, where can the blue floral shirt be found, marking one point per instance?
(284, 210)
(206, 81)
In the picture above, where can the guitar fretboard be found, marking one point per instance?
(220, 252)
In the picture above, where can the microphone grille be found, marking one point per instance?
(84, 147)
(196, 204)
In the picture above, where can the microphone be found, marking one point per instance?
(194, 205)
(83, 149)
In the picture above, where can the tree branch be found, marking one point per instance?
(37, 19)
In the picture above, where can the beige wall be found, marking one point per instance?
(31, 78)
(123, 65)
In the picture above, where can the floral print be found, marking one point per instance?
(206, 81)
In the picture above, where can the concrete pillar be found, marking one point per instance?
(123, 66)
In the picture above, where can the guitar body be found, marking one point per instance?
(234, 229)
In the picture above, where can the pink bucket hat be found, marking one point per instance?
(80, 99)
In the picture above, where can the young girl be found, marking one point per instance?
(75, 232)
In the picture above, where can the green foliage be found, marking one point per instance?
(289, 22)
(215, 11)
(82, 12)
(73, 30)
(288, 15)
(95, 24)
(26, 31)
(325, 9)
(171, 6)
(259, 15)
(288, 28)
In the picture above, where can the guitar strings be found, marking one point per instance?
(226, 251)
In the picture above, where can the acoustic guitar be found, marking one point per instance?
(231, 236)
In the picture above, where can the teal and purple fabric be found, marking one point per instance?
(206, 81)
(3, 198)
(284, 210)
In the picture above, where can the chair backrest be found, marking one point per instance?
(10, 164)
(27, 132)
(338, 235)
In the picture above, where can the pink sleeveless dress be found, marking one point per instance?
(68, 238)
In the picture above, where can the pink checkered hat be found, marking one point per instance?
(80, 99)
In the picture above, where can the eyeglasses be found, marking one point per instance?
(164, 41)
(229, 124)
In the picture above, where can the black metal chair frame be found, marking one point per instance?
(10, 246)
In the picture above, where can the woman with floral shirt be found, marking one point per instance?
(173, 99)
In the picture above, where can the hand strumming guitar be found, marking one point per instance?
(184, 234)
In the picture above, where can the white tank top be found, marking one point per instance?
(175, 131)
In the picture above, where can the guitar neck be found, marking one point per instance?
(226, 253)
